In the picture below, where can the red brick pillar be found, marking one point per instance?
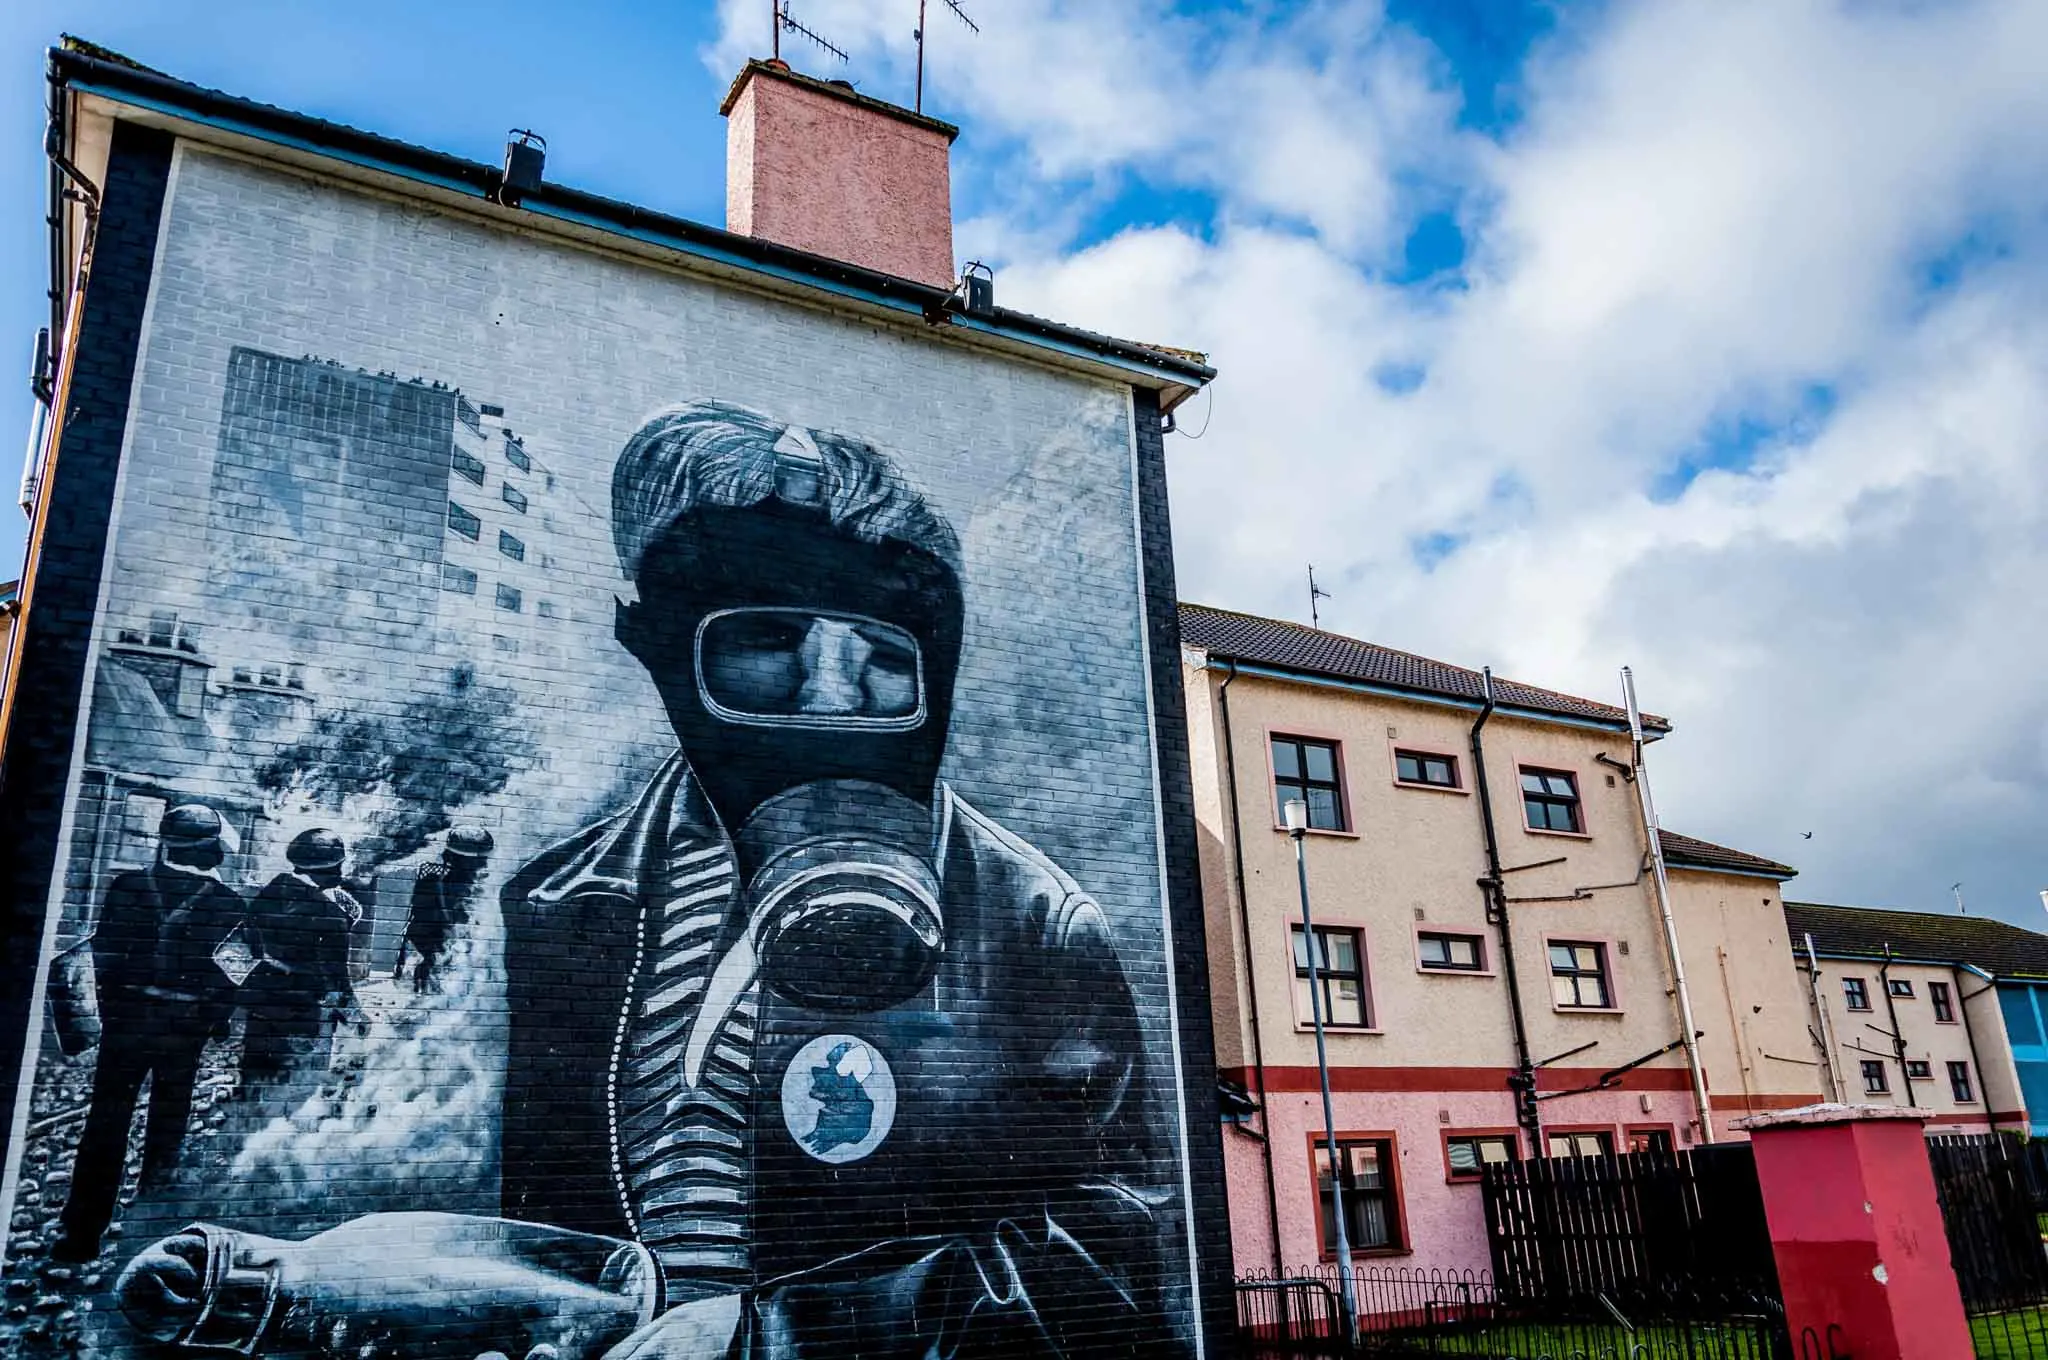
(1857, 1232)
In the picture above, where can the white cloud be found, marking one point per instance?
(1708, 210)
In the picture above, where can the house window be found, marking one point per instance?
(469, 465)
(1467, 1155)
(1441, 951)
(1919, 1071)
(509, 598)
(1340, 969)
(458, 579)
(1856, 994)
(462, 522)
(1657, 1140)
(1944, 1007)
(514, 498)
(1874, 1083)
(1959, 1082)
(1372, 1218)
(1578, 1143)
(1308, 770)
(515, 454)
(511, 546)
(1578, 976)
(1422, 767)
(1550, 799)
(1901, 987)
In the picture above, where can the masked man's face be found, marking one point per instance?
(787, 652)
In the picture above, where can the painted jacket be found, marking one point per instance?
(1013, 1201)
(302, 932)
(155, 938)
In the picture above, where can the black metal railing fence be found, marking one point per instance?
(1400, 1312)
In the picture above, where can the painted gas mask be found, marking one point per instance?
(809, 673)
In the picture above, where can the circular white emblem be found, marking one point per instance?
(838, 1098)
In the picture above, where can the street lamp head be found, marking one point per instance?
(1294, 812)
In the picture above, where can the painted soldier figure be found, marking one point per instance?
(301, 923)
(441, 901)
(161, 994)
(834, 1061)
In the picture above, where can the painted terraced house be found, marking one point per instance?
(1466, 1026)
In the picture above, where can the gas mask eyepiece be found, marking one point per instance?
(810, 668)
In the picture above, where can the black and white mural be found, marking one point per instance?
(616, 819)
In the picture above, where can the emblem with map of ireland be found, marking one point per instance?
(838, 1098)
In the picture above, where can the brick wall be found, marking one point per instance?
(765, 901)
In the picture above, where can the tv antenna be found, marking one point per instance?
(958, 13)
(781, 19)
(1315, 592)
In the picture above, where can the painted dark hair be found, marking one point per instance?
(707, 453)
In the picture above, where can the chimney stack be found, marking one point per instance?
(816, 165)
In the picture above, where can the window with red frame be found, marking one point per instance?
(1372, 1217)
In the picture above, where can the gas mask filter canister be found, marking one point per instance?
(846, 913)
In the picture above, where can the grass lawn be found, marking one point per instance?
(1667, 1341)
(2019, 1335)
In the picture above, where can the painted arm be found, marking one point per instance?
(425, 1286)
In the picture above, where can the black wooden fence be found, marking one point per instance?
(1647, 1230)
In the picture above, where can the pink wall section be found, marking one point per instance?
(1442, 1223)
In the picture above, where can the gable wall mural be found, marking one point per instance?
(615, 817)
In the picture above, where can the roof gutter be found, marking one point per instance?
(1694, 866)
(1490, 706)
(1176, 378)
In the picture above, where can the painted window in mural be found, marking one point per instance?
(747, 940)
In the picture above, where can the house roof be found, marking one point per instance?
(1919, 937)
(90, 69)
(1313, 651)
(1689, 852)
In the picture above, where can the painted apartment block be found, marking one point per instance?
(740, 678)
(1935, 1010)
(1421, 972)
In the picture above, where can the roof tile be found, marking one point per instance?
(1689, 852)
(1276, 642)
(1920, 936)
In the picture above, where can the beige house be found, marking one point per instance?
(1467, 1022)
(1926, 1009)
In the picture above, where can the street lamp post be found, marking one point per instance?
(1296, 813)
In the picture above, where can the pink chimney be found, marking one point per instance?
(815, 165)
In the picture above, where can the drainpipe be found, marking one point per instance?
(1522, 1082)
(1820, 1011)
(1891, 1009)
(1970, 1033)
(1251, 979)
(1702, 1109)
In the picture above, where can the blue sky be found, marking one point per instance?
(1701, 335)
